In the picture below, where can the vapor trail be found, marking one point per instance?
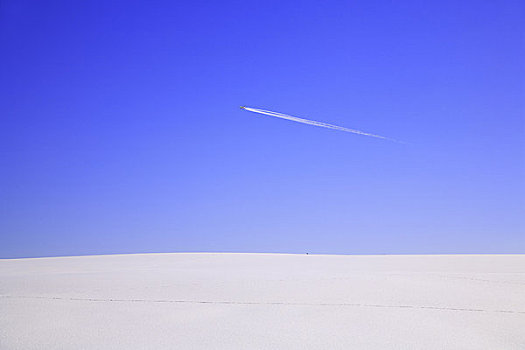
(313, 122)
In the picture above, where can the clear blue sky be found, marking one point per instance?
(121, 130)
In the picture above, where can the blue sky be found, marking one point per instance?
(121, 128)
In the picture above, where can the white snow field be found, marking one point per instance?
(263, 301)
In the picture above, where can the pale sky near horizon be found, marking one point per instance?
(121, 128)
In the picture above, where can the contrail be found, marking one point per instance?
(315, 123)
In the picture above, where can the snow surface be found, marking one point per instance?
(263, 301)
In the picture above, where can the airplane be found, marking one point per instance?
(243, 107)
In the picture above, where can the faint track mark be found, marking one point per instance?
(231, 302)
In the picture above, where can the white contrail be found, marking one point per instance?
(313, 122)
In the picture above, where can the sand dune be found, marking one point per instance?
(263, 301)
